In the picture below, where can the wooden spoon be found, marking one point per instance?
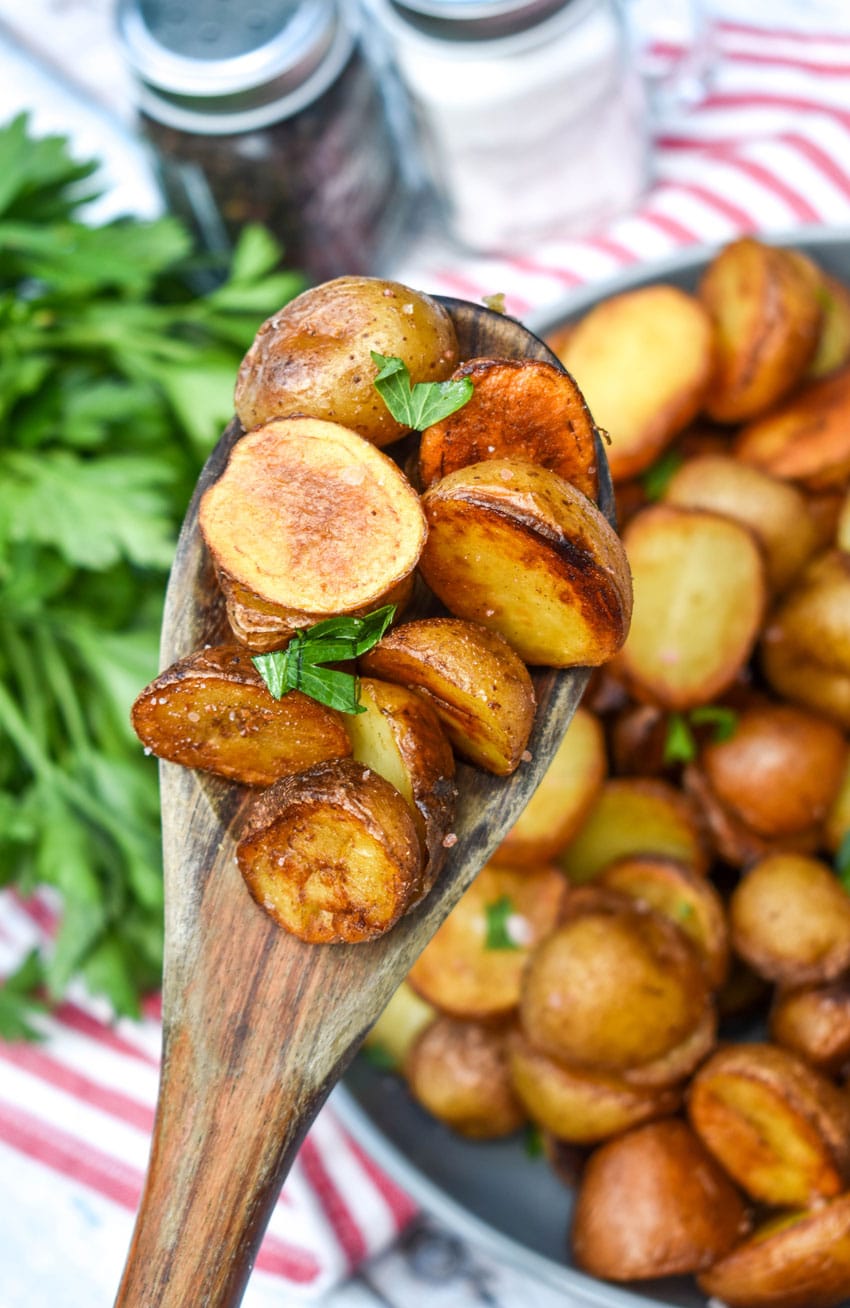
(257, 1026)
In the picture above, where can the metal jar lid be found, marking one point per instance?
(209, 66)
(475, 19)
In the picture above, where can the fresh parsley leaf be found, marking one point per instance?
(724, 720)
(17, 1005)
(335, 640)
(657, 478)
(497, 915)
(533, 1140)
(379, 1057)
(842, 861)
(420, 405)
(679, 744)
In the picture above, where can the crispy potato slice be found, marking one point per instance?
(653, 1202)
(636, 815)
(399, 736)
(563, 798)
(310, 521)
(806, 439)
(332, 854)
(780, 1129)
(212, 711)
(459, 1072)
(700, 594)
(773, 510)
(473, 966)
(833, 347)
(643, 360)
(735, 842)
(478, 687)
(578, 1105)
(686, 898)
(805, 647)
(766, 307)
(314, 357)
(790, 920)
(614, 987)
(814, 1022)
(797, 1260)
(522, 409)
(515, 547)
(780, 771)
(399, 1026)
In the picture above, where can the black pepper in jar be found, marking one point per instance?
(279, 123)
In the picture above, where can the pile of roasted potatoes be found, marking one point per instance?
(652, 975)
(491, 530)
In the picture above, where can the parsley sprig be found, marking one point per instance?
(680, 744)
(497, 917)
(300, 665)
(116, 378)
(420, 405)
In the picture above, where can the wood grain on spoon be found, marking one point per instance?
(257, 1026)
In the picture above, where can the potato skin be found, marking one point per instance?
(332, 854)
(212, 711)
(653, 1202)
(814, 1022)
(459, 1072)
(313, 356)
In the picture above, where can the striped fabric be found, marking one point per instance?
(767, 149)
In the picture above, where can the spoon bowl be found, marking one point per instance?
(257, 1025)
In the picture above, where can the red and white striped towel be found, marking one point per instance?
(767, 149)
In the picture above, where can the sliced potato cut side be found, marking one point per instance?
(399, 1026)
(522, 409)
(833, 348)
(806, 439)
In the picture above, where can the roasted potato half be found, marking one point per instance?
(615, 987)
(563, 798)
(778, 1127)
(643, 361)
(700, 593)
(765, 304)
(797, 1260)
(733, 841)
(806, 439)
(790, 920)
(400, 737)
(212, 711)
(310, 521)
(833, 348)
(459, 1072)
(520, 409)
(314, 357)
(578, 1105)
(332, 854)
(516, 548)
(814, 1022)
(653, 1202)
(472, 967)
(478, 687)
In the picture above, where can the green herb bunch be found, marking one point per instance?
(116, 376)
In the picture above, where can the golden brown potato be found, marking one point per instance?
(459, 1072)
(314, 358)
(311, 521)
(765, 306)
(790, 920)
(778, 1127)
(773, 510)
(805, 648)
(780, 771)
(833, 348)
(643, 360)
(653, 1202)
(563, 798)
(614, 987)
(212, 711)
(636, 815)
(686, 898)
(516, 548)
(700, 590)
(806, 439)
(581, 1106)
(332, 854)
(842, 532)
(734, 842)
(399, 736)
(478, 687)
(401, 1023)
(797, 1260)
(814, 1022)
(675, 1065)
(473, 966)
(522, 409)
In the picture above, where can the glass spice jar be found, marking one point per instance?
(269, 112)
